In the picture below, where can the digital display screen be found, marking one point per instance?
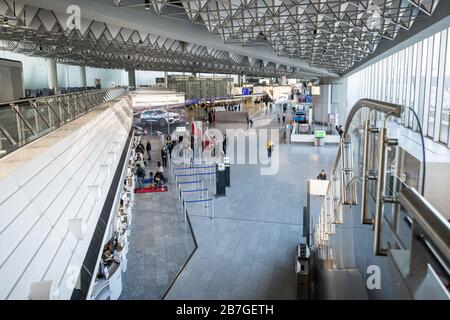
(246, 91)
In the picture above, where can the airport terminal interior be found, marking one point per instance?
(224, 150)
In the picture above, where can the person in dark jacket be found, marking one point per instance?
(322, 175)
(140, 148)
(140, 174)
(224, 144)
(148, 148)
(340, 130)
(164, 156)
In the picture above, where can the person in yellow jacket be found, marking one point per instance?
(269, 147)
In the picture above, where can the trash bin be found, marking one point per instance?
(302, 271)
(220, 180)
(226, 161)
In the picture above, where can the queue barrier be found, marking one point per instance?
(210, 211)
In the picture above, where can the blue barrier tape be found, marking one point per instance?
(194, 190)
(198, 201)
(190, 182)
(194, 174)
(194, 167)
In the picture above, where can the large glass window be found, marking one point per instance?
(422, 81)
(412, 93)
(434, 82)
(445, 116)
(417, 77)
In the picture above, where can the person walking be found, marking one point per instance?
(148, 148)
(284, 117)
(269, 147)
(164, 156)
(279, 117)
(224, 144)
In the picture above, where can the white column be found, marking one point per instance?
(166, 79)
(284, 80)
(52, 75)
(244, 80)
(83, 76)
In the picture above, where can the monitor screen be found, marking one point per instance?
(246, 91)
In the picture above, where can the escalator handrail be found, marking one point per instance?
(380, 106)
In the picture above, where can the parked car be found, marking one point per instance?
(300, 117)
(159, 116)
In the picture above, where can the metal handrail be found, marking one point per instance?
(373, 105)
(380, 106)
(427, 223)
(8, 103)
(65, 108)
(431, 222)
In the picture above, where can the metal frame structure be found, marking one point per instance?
(39, 32)
(331, 34)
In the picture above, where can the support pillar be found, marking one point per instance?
(132, 78)
(284, 80)
(166, 79)
(83, 77)
(52, 75)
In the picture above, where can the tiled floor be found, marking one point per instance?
(246, 252)
(160, 243)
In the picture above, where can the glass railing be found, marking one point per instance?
(374, 212)
(23, 121)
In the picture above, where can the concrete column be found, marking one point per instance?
(244, 79)
(83, 76)
(52, 75)
(284, 80)
(166, 79)
(132, 77)
(239, 80)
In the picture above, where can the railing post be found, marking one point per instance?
(379, 206)
(365, 178)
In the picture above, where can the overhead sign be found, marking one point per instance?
(320, 134)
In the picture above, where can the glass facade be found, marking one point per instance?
(417, 77)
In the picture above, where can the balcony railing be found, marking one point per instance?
(23, 121)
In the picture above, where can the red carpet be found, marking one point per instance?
(151, 189)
